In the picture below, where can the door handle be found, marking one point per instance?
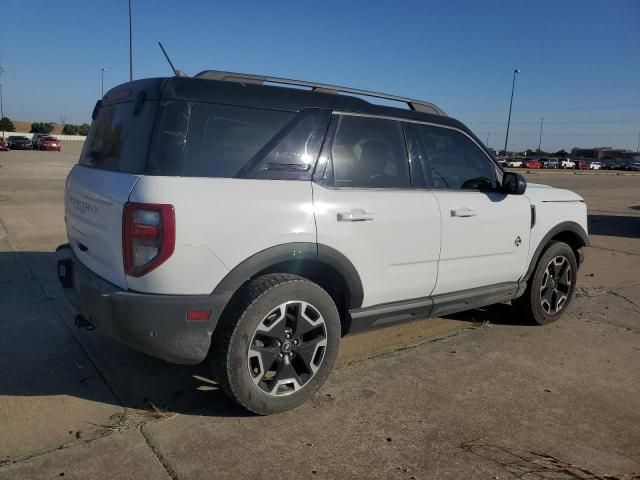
(355, 215)
(463, 212)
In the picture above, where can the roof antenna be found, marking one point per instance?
(177, 73)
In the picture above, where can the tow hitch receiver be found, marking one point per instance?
(81, 322)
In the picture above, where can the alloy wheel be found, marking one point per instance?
(556, 285)
(287, 348)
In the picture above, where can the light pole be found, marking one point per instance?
(1, 110)
(513, 85)
(130, 47)
(540, 140)
(102, 70)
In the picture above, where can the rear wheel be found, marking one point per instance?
(550, 289)
(277, 343)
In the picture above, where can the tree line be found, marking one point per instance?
(46, 127)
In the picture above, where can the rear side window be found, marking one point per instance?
(169, 139)
(223, 139)
(369, 153)
(453, 160)
(118, 139)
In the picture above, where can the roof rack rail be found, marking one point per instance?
(415, 105)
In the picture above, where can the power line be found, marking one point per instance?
(576, 134)
(581, 122)
(555, 109)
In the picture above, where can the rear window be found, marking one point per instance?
(118, 139)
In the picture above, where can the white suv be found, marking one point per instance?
(253, 225)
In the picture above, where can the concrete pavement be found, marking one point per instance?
(472, 396)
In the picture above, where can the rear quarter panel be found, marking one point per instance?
(219, 223)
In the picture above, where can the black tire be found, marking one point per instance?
(532, 306)
(244, 325)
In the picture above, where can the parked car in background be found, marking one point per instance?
(3, 145)
(635, 166)
(581, 165)
(50, 143)
(551, 163)
(19, 143)
(595, 166)
(533, 163)
(514, 163)
(567, 163)
(36, 138)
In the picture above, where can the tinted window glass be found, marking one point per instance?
(118, 139)
(167, 146)
(292, 153)
(369, 153)
(454, 161)
(222, 139)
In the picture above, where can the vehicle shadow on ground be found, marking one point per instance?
(614, 225)
(498, 314)
(43, 354)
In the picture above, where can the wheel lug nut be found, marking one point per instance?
(287, 336)
(279, 355)
(295, 342)
(278, 344)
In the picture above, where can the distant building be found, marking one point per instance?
(600, 153)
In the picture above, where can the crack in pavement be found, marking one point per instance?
(613, 292)
(165, 464)
(108, 430)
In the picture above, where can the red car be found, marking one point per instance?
(3, 145)
(50, 143)
(531, 164)
(582, 164)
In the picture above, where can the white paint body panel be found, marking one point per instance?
(221, 222)
(93, 215)
(396, 253)
(412, 248)
(481, 250)
(553, 206)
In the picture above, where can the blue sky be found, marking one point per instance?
(580, 60)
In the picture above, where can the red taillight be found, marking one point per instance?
(148, 236)
(198, 315)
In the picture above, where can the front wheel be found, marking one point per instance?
(276, 344)
(550, 289)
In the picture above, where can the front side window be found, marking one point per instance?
(453, 160)
(369, 153)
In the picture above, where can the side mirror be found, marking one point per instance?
(513, 183)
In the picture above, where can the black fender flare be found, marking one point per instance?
(288, 252)
(571, 227)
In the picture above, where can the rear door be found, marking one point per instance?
(485, 233)
(112, 159)
(367, 207)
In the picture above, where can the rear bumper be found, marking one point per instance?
(154, 324)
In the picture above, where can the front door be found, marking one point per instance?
(485, 233)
